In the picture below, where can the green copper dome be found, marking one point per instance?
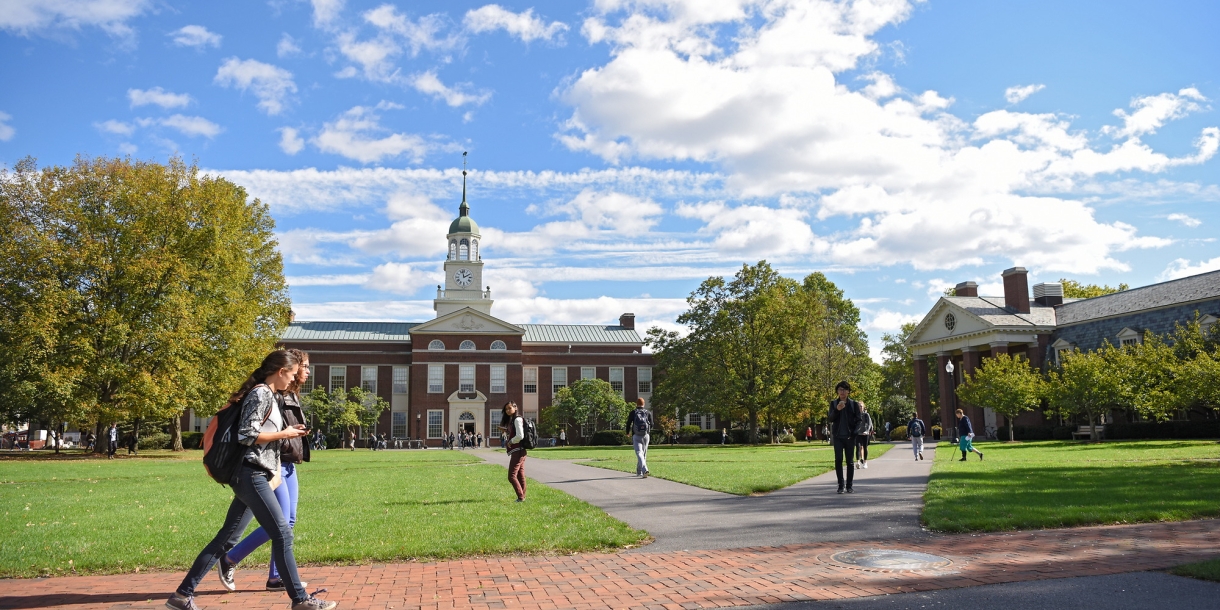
(463, 223)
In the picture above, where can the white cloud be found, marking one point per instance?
(350, 279)
(374, 56)
(524, 25)
(270, 84)
(421, 34)
(591, 216)
(353, 135)
(1151, 112)
(325, 12)
(1182, 268)
(889, 321)
(128, 148)
(6, 131)
(403, 278)
(186, 125)
(290, 141)
(1184, 219)
(1018, 94)
(195, 36)
(157, 96)
(429, 84)
(115, 127)
(32, 16)
(287, 46)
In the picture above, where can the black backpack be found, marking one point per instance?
(222, 454)
(642, 425)
(916, 428)
(530, 438)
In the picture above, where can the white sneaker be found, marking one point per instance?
(866, 464)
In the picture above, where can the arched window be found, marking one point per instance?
(463, 251)
(474, 249)
(437, 344)
(452, 250)
(467, 345)
(497, 344)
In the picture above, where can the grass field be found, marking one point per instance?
(740, 470)
(1204, 570)
(94, 515)
(1063, 484)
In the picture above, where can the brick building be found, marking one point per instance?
(965, 328)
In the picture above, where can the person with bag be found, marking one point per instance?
(640, 424)
(915, 430)
(293, 451)
(261, 429)
(512, 423)
(965, 436)
(863, 431)
(843, 418)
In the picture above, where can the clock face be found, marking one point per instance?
(463, 277)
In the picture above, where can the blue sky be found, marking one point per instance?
(622, 151)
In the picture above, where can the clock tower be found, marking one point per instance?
(463, 265)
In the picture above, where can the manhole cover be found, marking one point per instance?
(886, 559)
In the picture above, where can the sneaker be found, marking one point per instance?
(278, 586)
(179, 602)
(646, 473)
(313, 603)
(520, 499)
(921, 455)
(840, 489)
(980, 456)
(228, 572)
(962, 460)
(850, 490)
(866, 464)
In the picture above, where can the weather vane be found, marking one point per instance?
(463, 163)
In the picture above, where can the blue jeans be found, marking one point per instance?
(640, 443)
(286, 494)
(252, 497)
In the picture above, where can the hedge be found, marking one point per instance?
(1169, 429)
(192, 440)
(609, 438)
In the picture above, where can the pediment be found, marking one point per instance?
(1129, 333)
(467, 321)
(946, 321)
(1061, 343)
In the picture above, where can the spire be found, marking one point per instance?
(464, 209)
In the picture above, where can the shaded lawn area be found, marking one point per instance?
(105, 516)
(734, 469)
(1203, 570)
(1063, 484)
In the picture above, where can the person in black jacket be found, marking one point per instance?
(843, 418)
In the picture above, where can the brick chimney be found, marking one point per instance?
(1048, 293)
(1016, 289)
(627, 321)
(966, 289)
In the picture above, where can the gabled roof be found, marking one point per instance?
(469, 321)
(579, 333)
(993, 311)
(1173, 292)
(348, 331)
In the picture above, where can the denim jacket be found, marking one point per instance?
(260, 412)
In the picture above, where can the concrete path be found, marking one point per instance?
(886, 505)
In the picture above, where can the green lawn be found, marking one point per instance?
(1204, 570)
(96, 515)
(735, 469)
(1063, 484)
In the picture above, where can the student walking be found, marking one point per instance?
(563, 438)
(965, 436)
(112, 446)
(724, 436)
(915, 429)
(825, 433)
(262, 430)
(640, 424)
(293, 451)
(863, 431)
(843, 419)
(511, 421)
(809, 434)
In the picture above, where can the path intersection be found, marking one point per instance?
(713, 550)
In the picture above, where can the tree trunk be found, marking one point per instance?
(1011, 439)
(135, 436)
(175, 432)
(753, 426)
(97, 444)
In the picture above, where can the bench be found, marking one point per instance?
(1087, 432)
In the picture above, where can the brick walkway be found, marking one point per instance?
(687, 579)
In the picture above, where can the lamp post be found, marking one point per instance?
(418, 418)
(952, 394)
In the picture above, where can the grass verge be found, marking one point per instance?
(105, 516)
(734, 469)
(1064, 484)
(1203, 570)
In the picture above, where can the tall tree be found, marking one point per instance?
(1006, 385)
(1077, 290)
(1089, 383)
(591, 401)
(837, 348)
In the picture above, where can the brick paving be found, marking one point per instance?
(669, 580)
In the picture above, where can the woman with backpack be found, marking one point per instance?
(864, 430)
(514, 425)
(261, 429)
(293, 451)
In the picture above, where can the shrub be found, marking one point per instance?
(1164, 430)
(899, 433)
(1027, 433)
(192, 440)
(332, 441)
(154, 440)
(739, 437)
(688, 434)
(609, 438)
(712, 437)
(787, 438)
(1062, 433)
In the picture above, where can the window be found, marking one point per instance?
(436, 423)
(559, 379)
(644, 380)
(338, 378)
(466, 345)
(466, 378)
(398, 424)
(368, 379)
(436, 378)
(616, 379)
(474, 249)
(463, 250)
(400, 379)
(436, 345)
(1130, 342)
(499, 383)
(695, 419)
(588, 372)
(529, 379)
(307, 387)
(498, 345)
(452, 250)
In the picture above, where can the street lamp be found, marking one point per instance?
(418, 417)
(952, 393)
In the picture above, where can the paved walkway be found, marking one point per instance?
(674, 580)
(886, 505)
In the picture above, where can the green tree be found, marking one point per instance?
(317, 407)
(897, 363)
(1088, 383)
(837, 348)
(1151, 371)
(1004, 384)
(593, 401)
(1077, 290)
(366, 406)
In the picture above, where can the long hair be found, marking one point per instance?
(303, 360)
(506, 420)
(279, 359)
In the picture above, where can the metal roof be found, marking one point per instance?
(579, 333)
(993, 311)
(1173, 292)
(349, 331)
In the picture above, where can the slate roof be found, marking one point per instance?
(579, 333)
(992, 311)
(1173, 292)
(349, 331)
